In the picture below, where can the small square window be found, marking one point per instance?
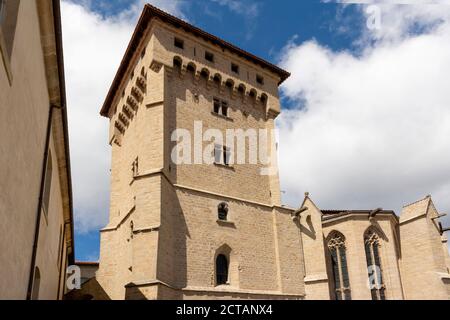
(260, 79)
(235, 68)
(209, 56)
(179, 43)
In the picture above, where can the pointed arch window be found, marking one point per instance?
(374, 269)
(221, 270)
(341, 280)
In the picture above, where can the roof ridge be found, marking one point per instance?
(428, 197)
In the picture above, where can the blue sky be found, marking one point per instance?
(342, 104)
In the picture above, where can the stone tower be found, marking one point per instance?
(194, 230)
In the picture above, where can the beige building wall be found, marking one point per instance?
(316, 277)
(425, 271)
(25, 101)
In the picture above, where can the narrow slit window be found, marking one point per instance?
(221, 270)
(135, 168)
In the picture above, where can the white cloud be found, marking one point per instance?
(93, 48)
(248, 9)
(371, 129)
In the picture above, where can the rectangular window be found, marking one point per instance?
(178, 43)
(222, 155)
(209, 56)
(260, 79)
(235, 68)
(47, 183)
(220, 107)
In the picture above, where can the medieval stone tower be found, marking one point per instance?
(193, 230)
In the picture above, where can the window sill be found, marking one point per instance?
(222, 116)
(225, 223)
(229, 167)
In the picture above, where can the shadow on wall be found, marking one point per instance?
(90, 290)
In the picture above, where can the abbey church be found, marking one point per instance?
(219, 231)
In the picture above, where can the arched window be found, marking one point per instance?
(36, 284)
(372, 246)
(341, 281)
(223, 211)
(221, 270)
(177, 62)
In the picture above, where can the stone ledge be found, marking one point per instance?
(214, 290)
(316, 278)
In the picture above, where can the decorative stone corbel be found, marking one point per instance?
(197, 78)
(210, 83)
(234, 93)
(183, 71)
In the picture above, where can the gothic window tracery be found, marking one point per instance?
(336, 246)
(374, 269)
